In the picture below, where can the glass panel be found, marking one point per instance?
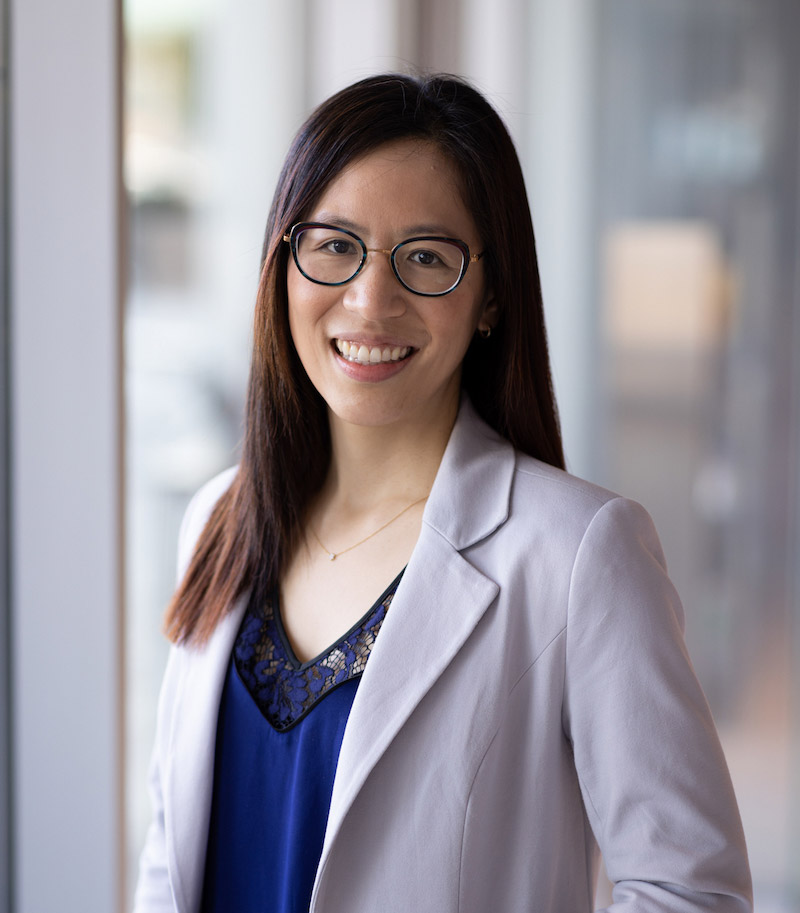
(184, 375)
(696, 206)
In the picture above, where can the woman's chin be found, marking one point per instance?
(372, 410)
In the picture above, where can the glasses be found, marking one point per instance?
(333, 256)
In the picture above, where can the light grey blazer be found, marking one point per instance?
(529, 697)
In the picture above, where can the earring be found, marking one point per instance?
(485, 334)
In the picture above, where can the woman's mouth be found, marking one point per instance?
(362, 354)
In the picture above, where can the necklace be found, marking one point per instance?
(332, 556)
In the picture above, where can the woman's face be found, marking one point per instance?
(377, 353)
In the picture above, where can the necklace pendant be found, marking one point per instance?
(333, 555)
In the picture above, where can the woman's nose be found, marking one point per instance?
(376, 292)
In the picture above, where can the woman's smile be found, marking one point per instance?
(364, 354)
(370, 363)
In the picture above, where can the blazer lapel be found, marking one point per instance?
(190, 766)
(440, 600)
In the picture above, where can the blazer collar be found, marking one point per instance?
(471, 494)
(441, 599)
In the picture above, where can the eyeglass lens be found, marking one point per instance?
(332, 256)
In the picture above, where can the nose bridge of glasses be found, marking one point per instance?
(377, 250)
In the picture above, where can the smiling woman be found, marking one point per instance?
(416, 665)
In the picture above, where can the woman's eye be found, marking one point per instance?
(338, 246)
(424, 258)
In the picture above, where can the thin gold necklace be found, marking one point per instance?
(332, 556)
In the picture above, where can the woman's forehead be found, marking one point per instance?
(410, 184)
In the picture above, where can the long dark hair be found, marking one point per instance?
(256, 523)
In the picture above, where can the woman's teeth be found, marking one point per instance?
(366, 355)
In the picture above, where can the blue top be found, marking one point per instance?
(279, 732)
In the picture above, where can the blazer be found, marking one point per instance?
(529, 698)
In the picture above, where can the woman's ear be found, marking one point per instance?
(490, 314)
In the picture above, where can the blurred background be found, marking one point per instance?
(660, 141)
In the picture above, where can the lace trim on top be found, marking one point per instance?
(284, 689)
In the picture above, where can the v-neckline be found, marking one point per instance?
(287, 646)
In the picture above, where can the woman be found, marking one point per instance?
(520, 691)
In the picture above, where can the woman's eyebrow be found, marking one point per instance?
(422, 228)
(332, 219)
(429, 228)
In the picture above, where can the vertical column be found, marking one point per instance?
(494, 56)
(5, 652)
(65, 454)
(560, 143)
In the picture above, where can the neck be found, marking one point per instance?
(377, 465)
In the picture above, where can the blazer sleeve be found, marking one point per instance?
(153, 888)
(652, 774)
